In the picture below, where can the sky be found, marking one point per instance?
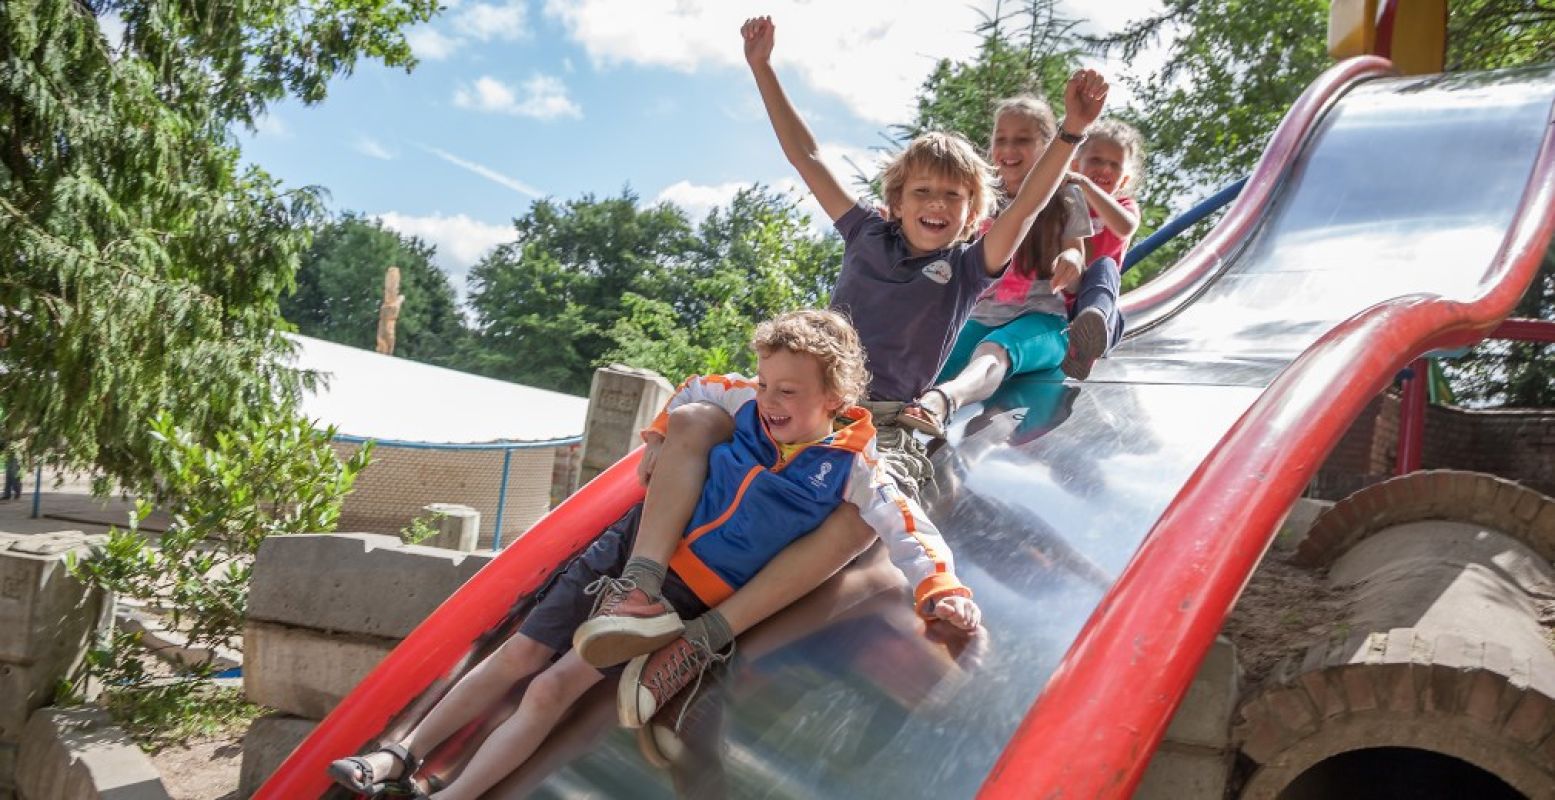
(516, 100)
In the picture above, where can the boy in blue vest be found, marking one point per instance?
(801, 448)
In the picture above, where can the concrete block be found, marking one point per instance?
(268, 742)
(43, 608)
(305, 672)
(1204, 718)
(355, 583)
(78, 754)
(1299, 519)
(458, 527)
(622, 401)
(1176, 773)
(47, 621)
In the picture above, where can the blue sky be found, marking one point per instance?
(519, 99)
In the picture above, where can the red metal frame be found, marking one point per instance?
(1092, 731)
(1525, 330)
(437, 645)
(1411, 417)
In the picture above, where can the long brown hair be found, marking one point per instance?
(1046, 239)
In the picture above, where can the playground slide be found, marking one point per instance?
(1106, 527)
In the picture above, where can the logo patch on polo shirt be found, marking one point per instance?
(938, 271)
(818, 480)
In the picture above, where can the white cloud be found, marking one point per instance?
(430, 45)
(872, 55)
(699, 199)
(272, 126)
(486, 172)
(368, 146)
(112, 26)
(543, 97)
(487, 21)
(460, 240)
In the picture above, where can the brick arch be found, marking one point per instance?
(1473, 700)
(1445, 494)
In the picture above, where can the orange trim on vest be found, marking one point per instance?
(699, 578)
(739, 495)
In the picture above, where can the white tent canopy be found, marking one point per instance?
(374, 396)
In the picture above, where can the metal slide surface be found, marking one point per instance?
(1401, 188)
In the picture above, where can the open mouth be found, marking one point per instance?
(936, 224)
(775, 421)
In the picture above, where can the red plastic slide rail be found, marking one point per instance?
(1092, 731)
(438, 644)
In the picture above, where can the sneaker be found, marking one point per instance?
(651, 681)
(688, 731)
(625, 622)
(1087, 342)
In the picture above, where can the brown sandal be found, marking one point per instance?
(916, 416)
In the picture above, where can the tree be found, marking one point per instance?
(1518, 374)
(340, 289)
(756, 259)
(144, 265)
(545, 303)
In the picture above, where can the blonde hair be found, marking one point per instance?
(826, 335)
(1127, 139)
(946, 155)
(1034, 256)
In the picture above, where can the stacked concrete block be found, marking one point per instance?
(1195, 757)
(323, 611)
(458, 527)
(622, 401)
(48, 619)
(78, 754)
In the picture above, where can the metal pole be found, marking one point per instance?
(502, 500)
(1411, 418)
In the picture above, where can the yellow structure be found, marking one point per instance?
(1412, 33)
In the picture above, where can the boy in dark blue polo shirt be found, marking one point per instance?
(909, 278)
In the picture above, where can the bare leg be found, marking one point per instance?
(549, 696)
(798, 569)
(978, 381)
(676, 483)
(480, 689)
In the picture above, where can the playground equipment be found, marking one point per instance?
(1389, 217)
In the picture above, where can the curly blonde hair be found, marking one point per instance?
(826, 335)
(945, 155)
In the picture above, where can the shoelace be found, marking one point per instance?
(700, 659)
(606, 587)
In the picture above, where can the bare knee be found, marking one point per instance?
(520, 657)
(994, 351)
(699, 425)
(553, 691)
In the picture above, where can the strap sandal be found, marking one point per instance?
(357, 774)
(916, 416)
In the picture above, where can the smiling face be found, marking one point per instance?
(934, 209)
(1018, 141)
(1105, 163)
(792, 397)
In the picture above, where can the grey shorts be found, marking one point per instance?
(561, 605)
(902, 456)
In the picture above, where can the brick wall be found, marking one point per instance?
(400, 481)
(1517, 444)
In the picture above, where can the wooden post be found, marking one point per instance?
(389, 312)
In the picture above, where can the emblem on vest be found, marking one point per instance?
(818, 480)
(938, 271)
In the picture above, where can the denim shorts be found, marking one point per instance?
(562, 605)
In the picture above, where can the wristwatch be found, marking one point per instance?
(1069, 138)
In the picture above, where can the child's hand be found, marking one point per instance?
(958, 611)
(650, 457)
(1076, 178)
(1066, 273)
(758, 33)
(1084, 97)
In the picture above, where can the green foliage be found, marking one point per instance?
(756, 259)
(545, 303)
(144, 262)
(340, 290)
(1030, 49)
(1519, 374)
(1488, 34)
(421, 528)
(277, 475)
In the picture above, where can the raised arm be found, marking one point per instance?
(1109, 210)
(1083, 100)
(797, 141)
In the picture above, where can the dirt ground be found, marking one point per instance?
(205, 770)
(1283, 611)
